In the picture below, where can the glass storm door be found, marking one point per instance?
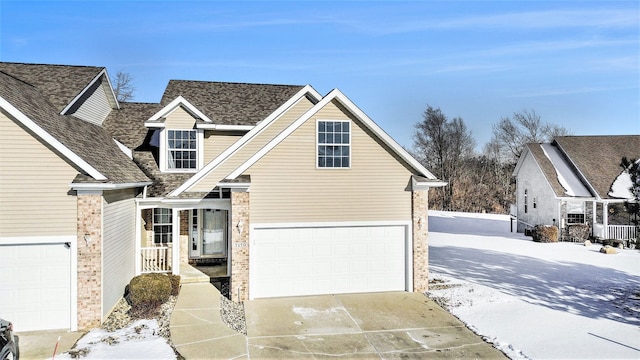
(213, 229)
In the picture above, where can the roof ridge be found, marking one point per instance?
(18, 79)
(59, 65)
(232, 82)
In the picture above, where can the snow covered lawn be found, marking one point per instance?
(139, 340)
(535, 300)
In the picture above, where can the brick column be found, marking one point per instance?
(239, 287)
(419, 211)
(89, 226)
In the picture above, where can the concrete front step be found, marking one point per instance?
(190, 275)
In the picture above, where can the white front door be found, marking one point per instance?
(208, 233)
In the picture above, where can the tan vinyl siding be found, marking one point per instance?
(215, 142)
(118, 244)
(179, 119)
(257, 143)
(287, 187)
(34, 186)
(94, 105)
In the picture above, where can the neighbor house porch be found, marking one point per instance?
(613, 220)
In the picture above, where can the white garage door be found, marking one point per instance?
(326, 260)
(35, 286)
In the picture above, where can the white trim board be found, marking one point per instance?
(174, 104)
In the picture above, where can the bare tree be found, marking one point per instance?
(510, 135)
(442, 145)
(123, 86)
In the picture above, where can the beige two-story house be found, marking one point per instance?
(291, 192)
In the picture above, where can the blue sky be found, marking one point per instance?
(576, 63)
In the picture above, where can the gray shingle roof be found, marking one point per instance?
(598, 157)
(127, 124)
(59, 83)
(231, 103)
(88, 141)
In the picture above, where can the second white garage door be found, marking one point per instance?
(35, 285)
(326, 260)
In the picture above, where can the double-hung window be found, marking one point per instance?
(162, 225)
(334, 144)
(182, 150)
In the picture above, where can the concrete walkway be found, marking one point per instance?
(197, 331)
(379, 326)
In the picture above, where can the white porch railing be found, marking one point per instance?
(620, 232)
(155, 259)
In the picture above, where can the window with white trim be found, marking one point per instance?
(334, 144)
(182, 150)
(162, 225)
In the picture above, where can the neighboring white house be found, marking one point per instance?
(577, 180)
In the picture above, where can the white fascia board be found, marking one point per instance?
(425, 185)
(307, 90)
(113, 93)
(222, 127)
(124, 149)
(174, 104)
(86, 88)
(100, 186)
(350, 106)
(53, 142)
(153, 125)
(232, 185)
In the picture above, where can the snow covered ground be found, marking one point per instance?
(535, 300)
(140, 340)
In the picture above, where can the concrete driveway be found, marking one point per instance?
(397, 325)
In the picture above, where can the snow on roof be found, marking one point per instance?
(621, 186)
(566, 176)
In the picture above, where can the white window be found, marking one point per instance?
(334, 144)
(162, 225)
(182, 150)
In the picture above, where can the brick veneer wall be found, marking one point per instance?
(185, 242)
(89, 261)
(419, 212)
(239, 287)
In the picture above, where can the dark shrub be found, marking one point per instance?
(545, 233)
(147, 292)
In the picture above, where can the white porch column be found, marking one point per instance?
(175, 239)
(605, 219)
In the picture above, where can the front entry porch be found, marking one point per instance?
(172, 234)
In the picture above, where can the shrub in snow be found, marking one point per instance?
(147, 292)
(579, 231)
(608, 250)
(545, 233)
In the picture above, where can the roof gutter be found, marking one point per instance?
(108, 186)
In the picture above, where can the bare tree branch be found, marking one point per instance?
(123, 86)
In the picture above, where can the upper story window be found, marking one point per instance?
(526, 200)
(334, 144)
(182, 150)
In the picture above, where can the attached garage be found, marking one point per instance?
(297, 261)
(35, 285)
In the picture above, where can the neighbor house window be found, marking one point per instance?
(535, 202)
(334, 144)
(575, 218)
(162, 225)
(526, 200)
(575, 212)
(182, 150)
